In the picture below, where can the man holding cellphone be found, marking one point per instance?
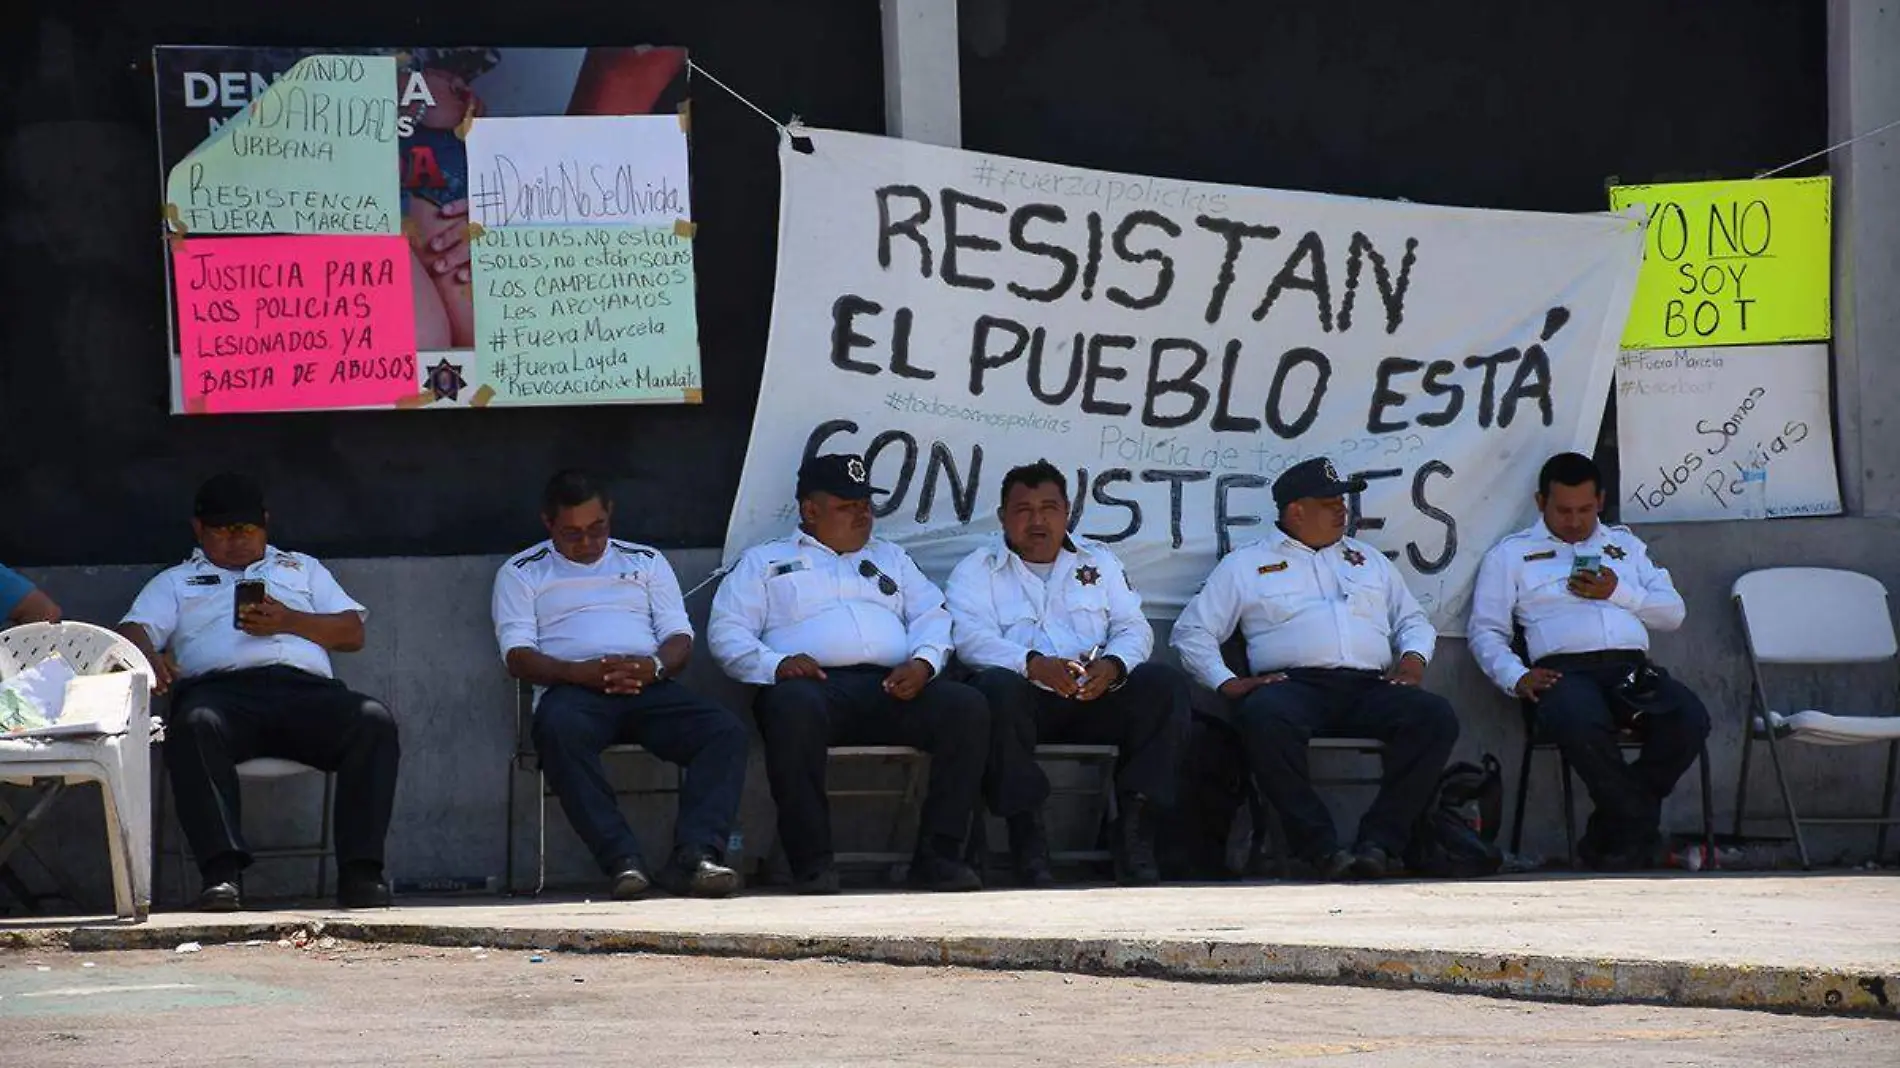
(1586, 595)
(241, 635)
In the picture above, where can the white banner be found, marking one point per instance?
(1173, 347)
(1737, 432)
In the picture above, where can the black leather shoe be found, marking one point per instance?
(1029, 851)
(630, 881)
(221, 897)
(692, 873)
(1135, 843)
(1334, 866)
(1371, 862)
(362, 892)
(943, 874)
(819, 882)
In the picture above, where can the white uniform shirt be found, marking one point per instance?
(1524, 580)
(1344, 606)
(188, 609)
(794, 595)
(626, 603)
(1001, 610)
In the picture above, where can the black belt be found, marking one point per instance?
(1600, 658)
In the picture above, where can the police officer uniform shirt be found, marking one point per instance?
(627, 603)
(794, 595)
(189, 608)
(1525, 579)
(1338, 607)
(1001, 609)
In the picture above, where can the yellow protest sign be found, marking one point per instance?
(1731, 263)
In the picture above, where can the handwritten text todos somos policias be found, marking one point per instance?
(263, 320)
(1039, 254)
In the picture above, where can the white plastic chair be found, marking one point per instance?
(113, 677)
(1812, 615)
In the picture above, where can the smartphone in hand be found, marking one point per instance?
(249, 591)
(1586, 565)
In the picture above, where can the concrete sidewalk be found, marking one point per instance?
(1822, 943)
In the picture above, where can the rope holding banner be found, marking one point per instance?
(799, 141)
(1831, 148)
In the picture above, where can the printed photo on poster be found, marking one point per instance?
(438, 93)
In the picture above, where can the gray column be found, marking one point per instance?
(1863, 58)
(922, 100)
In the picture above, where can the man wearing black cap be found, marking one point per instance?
(241, 633)
(845, 638)
(1337, 646)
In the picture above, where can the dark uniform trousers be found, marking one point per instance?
(1277, 720)
(573, 725)
(1146, 718)
(800, 718)
(222, 719)
(1576, 713)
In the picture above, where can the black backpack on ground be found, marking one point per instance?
(1456, 836)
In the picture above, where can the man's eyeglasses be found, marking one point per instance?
(885, 584)
(236, 530)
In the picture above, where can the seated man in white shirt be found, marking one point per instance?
(598, 625)
(1338, 646)
(845, 638)
(1586, 595)
(1055, 631)
(240, 634)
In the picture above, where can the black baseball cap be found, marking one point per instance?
(1312, 478)
(228, 499)
(841, 474)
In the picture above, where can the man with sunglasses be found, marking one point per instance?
(845, 637)
(241, 635)
(597, 625)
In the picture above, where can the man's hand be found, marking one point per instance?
(1593, 585)
(626, 674)
(1241, 685)
(267, 618)
(598, 674)
(1101, 674)
(907, 679)
(164, 671)
(1057, 674)
(799, 666)
(1534, 682)
(1409, 671)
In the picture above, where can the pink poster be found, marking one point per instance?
(283, 323)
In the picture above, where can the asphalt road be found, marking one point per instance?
(337, 1004)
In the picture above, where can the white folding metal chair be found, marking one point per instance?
(1812, 616)
(113, 678)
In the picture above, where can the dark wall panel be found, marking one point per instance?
(94, 470)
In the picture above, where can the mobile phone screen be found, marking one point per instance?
(249, 591)
(1586, 564)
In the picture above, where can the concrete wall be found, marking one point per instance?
(431, 656)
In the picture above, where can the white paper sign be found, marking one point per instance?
(578, 170)
(1173, 346)
(1739, 432)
